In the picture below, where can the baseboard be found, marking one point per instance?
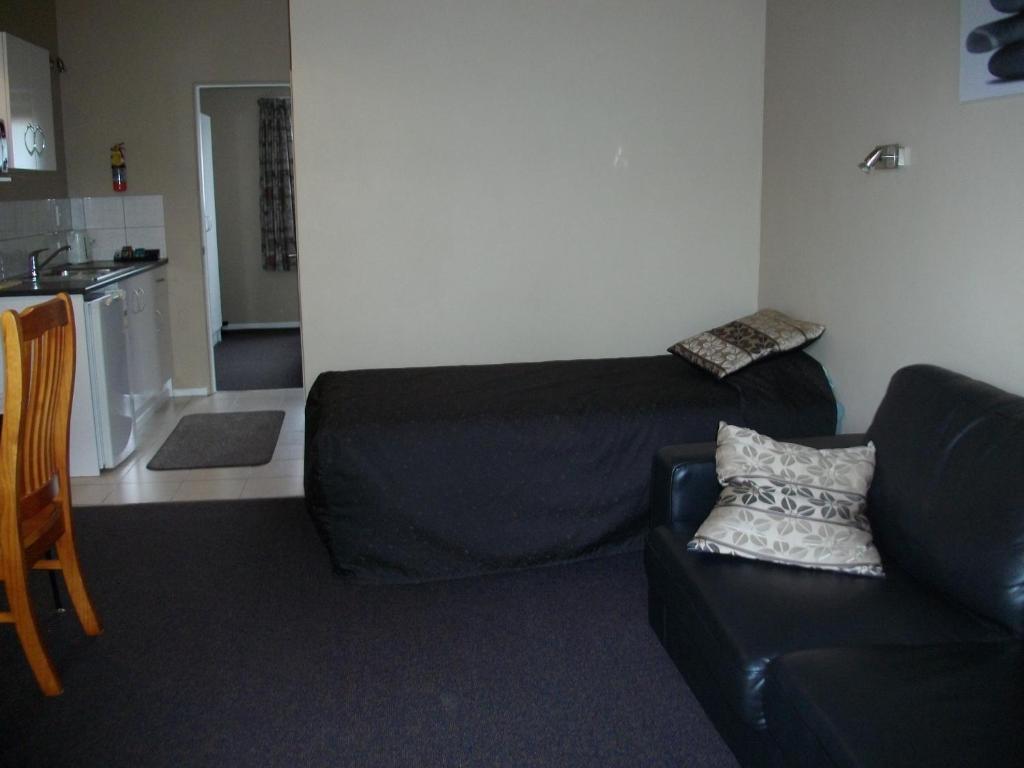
(258, 326)
(154, 404)
(193, 392)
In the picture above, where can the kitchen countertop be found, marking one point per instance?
(83, 278)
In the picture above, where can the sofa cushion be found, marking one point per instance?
(791, 504)
(744, 613)
(954, 704)
(945, 503)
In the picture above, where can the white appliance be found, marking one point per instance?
(106, 325)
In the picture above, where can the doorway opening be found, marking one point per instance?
(250, 268)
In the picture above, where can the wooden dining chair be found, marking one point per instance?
(35, 489)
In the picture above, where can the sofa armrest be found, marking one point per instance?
(684, 486)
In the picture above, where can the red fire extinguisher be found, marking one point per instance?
(118, 169)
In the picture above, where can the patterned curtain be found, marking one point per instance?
(277, 209)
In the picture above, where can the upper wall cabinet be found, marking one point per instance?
(26, 105)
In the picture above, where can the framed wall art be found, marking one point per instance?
(991, 48)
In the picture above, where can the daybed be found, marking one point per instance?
(924, 667)
(427, 473)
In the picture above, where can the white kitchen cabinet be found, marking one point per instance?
(145, 332)
(26, 105)
(148, 340)
(163, 325)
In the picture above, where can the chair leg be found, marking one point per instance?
(76, 584)
(16, 584)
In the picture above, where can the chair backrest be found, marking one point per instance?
(946, 503)
(39, 359)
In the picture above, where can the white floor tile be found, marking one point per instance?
(219, 473)
(211, 406)
(137, 474)
(272, 487)
(282, 468)
(81, 482)
(292, 437)
(139, 458)
(259, 405)
(109, 476)
(262, 396)
(283, 452)
(294, 420)
(133, 483)
(293, 392)
(87, 495)
(141, 493)
(198, 490)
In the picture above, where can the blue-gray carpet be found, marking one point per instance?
(267, 359)
(228, 642)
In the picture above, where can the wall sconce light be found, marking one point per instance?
(884, 157)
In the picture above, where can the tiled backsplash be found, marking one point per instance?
(108, 223)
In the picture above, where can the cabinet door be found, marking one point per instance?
(26, 106)
(163, 327)
(143, 342)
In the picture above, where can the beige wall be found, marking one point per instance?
(494, 180)
(132, 65)
(917, 265)
(249, 294)
(34, 21)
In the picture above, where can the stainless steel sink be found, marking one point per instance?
(46, 281)
(79, 270)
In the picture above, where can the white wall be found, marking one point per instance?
(918, 265)
(497, 180)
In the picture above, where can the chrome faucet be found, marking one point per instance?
(33, 261)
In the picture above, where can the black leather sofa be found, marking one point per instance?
(922, 668)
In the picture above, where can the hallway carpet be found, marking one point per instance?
(228, 642)
(270, 359)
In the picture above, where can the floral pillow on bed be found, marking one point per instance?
(790, 504)
(730, 347)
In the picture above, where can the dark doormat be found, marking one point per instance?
(235, 439)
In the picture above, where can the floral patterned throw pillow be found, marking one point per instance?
(727, 348)
(791, 505)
